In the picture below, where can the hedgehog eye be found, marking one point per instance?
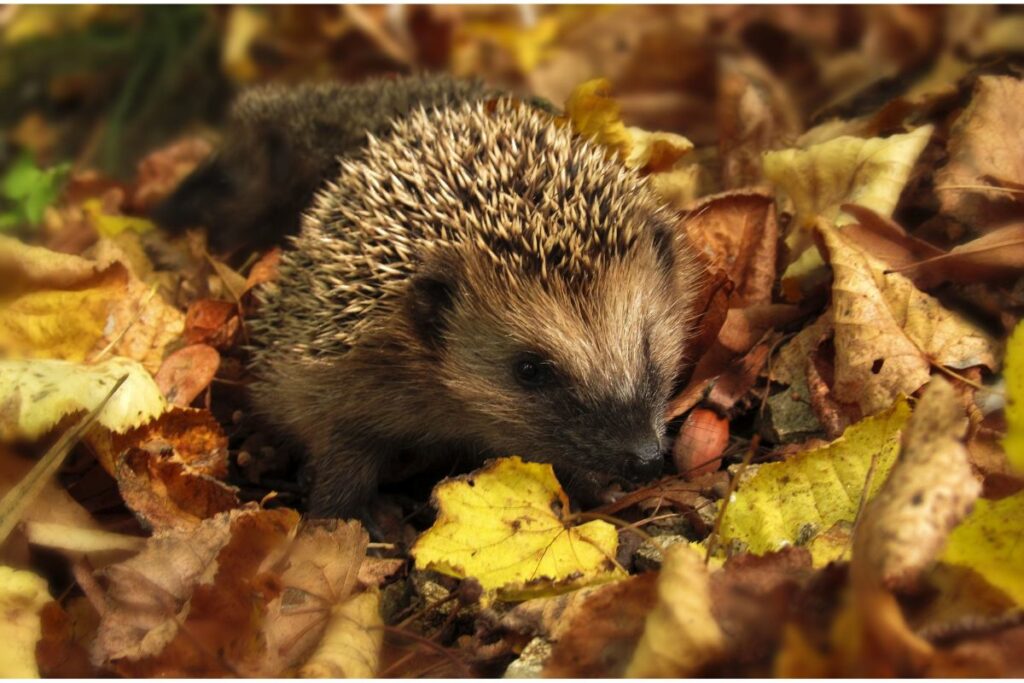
(532, 371)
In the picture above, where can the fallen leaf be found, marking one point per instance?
(186, 373)
(984, 148)
(988, 541)
(597, 638)
(887, 333)
(22, 596)
(928, 492)
(791, 502)
(681, 634)
(996, 255)
(65, 307)
(191, 602)
(738, 233)
(352, 642)
(755, 114)
(212, 322)
(1013, 443)
(506, 526)
(594, 114)
(160, 171)
(846, 170)
(35, 395)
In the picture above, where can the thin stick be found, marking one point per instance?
(747, 457)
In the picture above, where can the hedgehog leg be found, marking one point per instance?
(345, 476)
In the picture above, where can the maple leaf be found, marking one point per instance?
(505, 525)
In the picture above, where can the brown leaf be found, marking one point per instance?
(680, 635)
(750, 596)
(212, 322)
(997, 255)
(986, 156)
(189, 604)
(603, 632)
(738, 233)
(160, 171)
(931, 488)
(187, 372)
(737, 335)
(887, 333)
(755, 114)
(167, 494)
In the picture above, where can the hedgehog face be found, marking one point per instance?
(576, 374)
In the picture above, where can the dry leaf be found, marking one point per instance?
(681, 634)
(186, 373)
(738, 233)
(930, 489)
(980, 185)
(68, 308)
(888, 333)
(35, 395)
(22, 596)
(352, 642)
(598, 636)
(190, 603)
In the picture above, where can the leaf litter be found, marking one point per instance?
(846, 434)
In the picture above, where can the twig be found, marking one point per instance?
(747, 457)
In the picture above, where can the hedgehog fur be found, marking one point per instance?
(282, 142)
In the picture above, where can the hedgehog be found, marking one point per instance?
(282, 143)
(478, 281)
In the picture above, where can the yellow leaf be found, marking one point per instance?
(35, 395)
(681, 634)
(989, 542)
(112, 225)
(1013, 444)
(22, 596)
(846, 170)
(818, 180)
(595, 114)
(505, 525)
(352, 642)
(67, 307)
(790, 502)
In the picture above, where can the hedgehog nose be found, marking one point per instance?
(644, 462)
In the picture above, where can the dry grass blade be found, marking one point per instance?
(21, 496)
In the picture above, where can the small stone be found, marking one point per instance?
(649, 555)
(532, 660)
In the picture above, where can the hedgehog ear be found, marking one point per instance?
(430, 298)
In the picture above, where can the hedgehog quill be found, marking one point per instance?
(476, 281)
